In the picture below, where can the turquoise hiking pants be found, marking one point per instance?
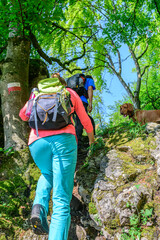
(56, 157)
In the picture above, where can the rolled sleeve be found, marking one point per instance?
(22, 113)
(90, 82)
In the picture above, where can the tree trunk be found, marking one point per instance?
(136, 100)
(14, 87)
(1, 118)
(37, 71)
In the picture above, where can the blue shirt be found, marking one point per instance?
(89, 82)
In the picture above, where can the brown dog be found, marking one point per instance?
(141, 116)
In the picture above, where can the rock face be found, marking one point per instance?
(120, 189)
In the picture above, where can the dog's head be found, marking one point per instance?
(127, 109)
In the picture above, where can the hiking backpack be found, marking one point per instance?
(76, 82)
(51, 106)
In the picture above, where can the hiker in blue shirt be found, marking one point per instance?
(89, 86)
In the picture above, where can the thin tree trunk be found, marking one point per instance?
(139, 79)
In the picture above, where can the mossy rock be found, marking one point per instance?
(141, 146)
(113, 223)
(149, 233)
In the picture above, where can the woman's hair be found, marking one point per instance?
(56, 75)
(89, 76)
(62, 81)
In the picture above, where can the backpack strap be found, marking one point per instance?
(65, 118)
(56, 108)
(83, 77)
(35, 117)
(77, 82)
(70, 101)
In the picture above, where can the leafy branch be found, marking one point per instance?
(156, 4)
(21, 12)
(64, 65)
(3, 48)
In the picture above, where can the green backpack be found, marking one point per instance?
(51, 106)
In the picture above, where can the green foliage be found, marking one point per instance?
(16, 188)
(24, 16)
(146, 215)
(14, 204)
(137, 186)
(97, 219)
(99, 111)
(102, 131)
(137, 131)
(150, 90)
(125, 133)
(97, 145)
(133, 234)
(9, 151)
(12, 196)
(136, 220)
(92, 208)
(150, 85)
(132, 130)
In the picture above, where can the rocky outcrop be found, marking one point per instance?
(121, 191)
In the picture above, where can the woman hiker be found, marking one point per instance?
(55, 154)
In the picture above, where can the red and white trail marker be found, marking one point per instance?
(15, 86)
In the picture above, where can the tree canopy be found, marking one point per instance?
(72, 36)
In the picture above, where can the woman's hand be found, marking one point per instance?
(91, 137)
(90, 107)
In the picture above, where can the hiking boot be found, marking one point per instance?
(39, 220)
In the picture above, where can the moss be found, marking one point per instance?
(3, 237)
(15, 204)
(148, 179)
(128, 158)
(142, 146)
(121, 188)
(9, 226)
(114, 223)
(139, 147)
(15, 164)
(109, 230)
(124, 156)
(148, 232)
(156, 207)
(130, 168)
(116, 139)
(92, 208)
(34, 172)
(12, 196)
(100, 196)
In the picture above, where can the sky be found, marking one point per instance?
(116, 89)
